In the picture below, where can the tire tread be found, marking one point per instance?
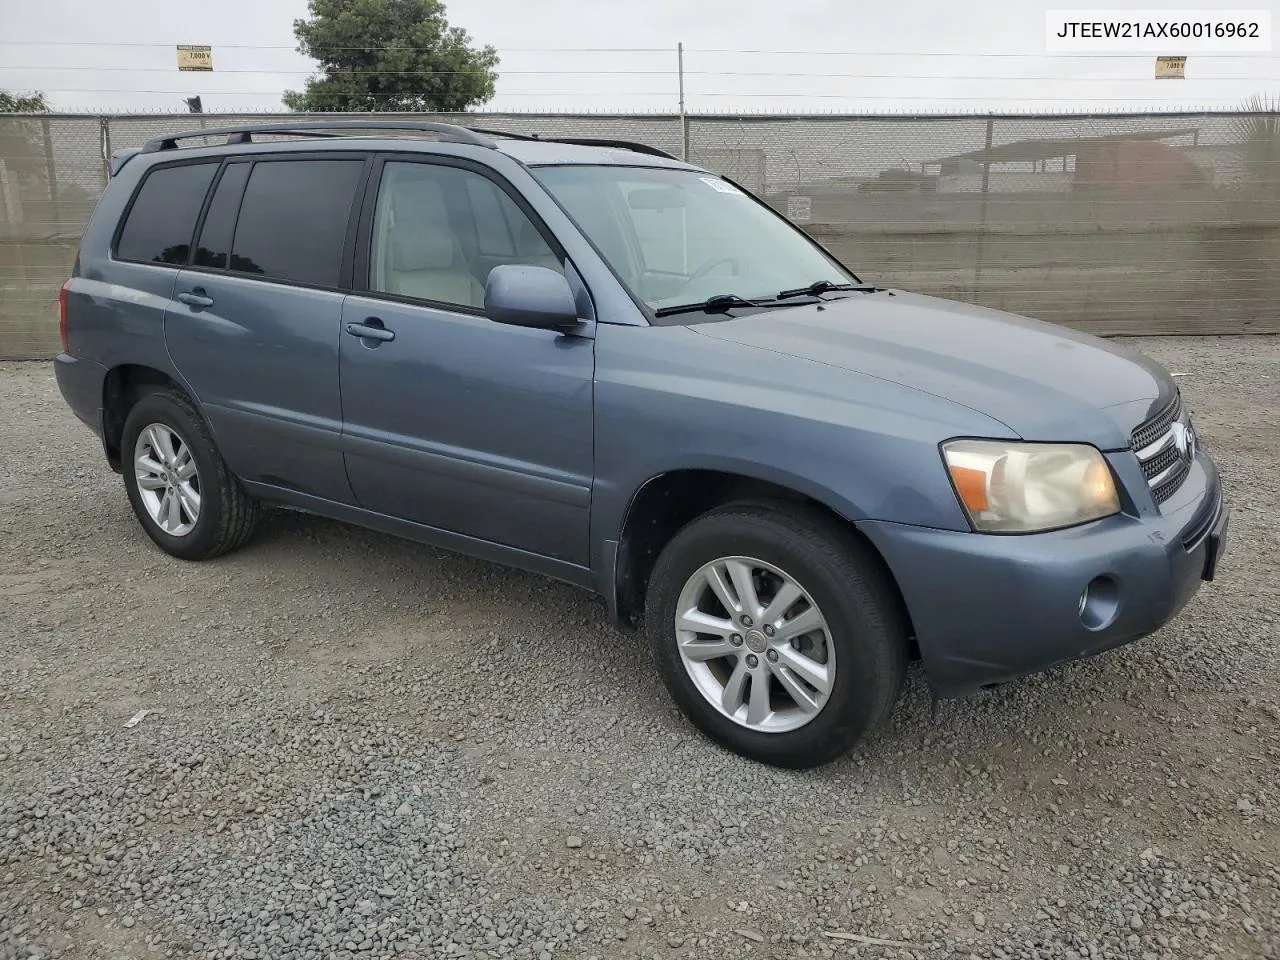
(851, 561)
(238, 515)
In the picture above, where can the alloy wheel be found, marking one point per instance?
(755, 644)
(168, 479)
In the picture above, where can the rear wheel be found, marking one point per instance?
(777, 632)
(182, 493)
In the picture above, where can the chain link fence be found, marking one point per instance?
(1137, 223)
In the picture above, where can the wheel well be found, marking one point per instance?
(123, 386)
(668, 502)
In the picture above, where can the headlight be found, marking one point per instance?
(1024, 487)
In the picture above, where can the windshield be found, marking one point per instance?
(679, 237)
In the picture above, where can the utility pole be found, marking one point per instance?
(982, 211)
(684, 119)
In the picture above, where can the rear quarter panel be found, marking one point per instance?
(115, 310)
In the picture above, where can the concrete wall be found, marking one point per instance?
(1137, 251)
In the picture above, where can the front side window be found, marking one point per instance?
(439, 230)
(677, 237)
(293, 220)
(163, 216)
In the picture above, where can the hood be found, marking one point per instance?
(1044, 382)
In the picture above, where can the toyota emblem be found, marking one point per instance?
(1184, 438)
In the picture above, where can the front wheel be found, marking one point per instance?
(777, 632)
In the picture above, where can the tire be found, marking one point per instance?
(864, 636)
(224, 514)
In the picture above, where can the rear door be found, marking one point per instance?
(452, 420)
(256, 324)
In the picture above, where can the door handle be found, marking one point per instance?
(366, 331)
(196, 298)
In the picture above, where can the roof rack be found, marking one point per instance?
(449, 132)
(580, 142)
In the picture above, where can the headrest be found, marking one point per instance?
(421, 238)
(415, 247)
(417, 198)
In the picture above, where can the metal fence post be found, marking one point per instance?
(684, 118)
(51, 173)
(982, 209)
(105, 125)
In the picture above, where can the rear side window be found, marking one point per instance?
(215, 235)
(163, 216)
(293, 220)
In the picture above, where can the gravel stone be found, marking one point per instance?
(361, 747)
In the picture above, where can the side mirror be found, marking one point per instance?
(536, 297)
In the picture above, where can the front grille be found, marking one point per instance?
(1158, 464)
(1167, 465)
(1163, 491)
(1147, 433)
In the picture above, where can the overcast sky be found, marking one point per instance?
(904, 55)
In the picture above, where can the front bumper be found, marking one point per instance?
(987, 609)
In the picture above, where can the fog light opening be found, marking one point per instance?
(1099, 603)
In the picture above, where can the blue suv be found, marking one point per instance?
(596, 362)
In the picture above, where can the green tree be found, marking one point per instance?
(15, 103)
(390, 55)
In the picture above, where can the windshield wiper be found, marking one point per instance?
(822, 286)
(720, 303)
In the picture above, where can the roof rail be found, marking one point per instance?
(449, 132)
(617, 145)
(580, 142)
(119, 158)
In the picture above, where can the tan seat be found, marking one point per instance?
(426, 258)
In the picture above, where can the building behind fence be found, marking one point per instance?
(1137, 223)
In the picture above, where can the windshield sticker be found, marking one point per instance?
(722, 185)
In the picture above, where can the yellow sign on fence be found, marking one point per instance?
(1171, 68)
(194, 57)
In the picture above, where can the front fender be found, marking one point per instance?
(667, 400)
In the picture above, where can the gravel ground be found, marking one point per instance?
(358, 746)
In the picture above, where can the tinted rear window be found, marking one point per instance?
(293, 220)
(163, 215)
(215, 235)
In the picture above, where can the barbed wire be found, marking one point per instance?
(294, 46)
(668, 51)
(1067, 89)
(630, 93)
(666, 73)
(652, 114)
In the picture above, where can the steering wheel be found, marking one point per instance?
(710, 265)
